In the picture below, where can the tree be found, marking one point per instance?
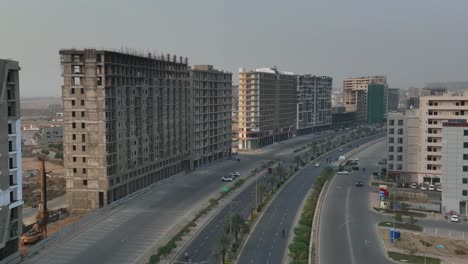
(272, 181)
(298, 160)
(237, 225)
(59, 155)
(45, 151)
(261, 190)
(224, 245)
(280, 171)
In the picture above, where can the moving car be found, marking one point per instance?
(342, 173)
(227, 179)
(359, 184)
(414, 185)
(235, 174)
(454, 218)
(431, 188)
(317, 164)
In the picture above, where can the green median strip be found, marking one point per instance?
(405, 258)
(402, 226)
(299, 248)
(404, 213)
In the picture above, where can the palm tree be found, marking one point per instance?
(297, 159)
(237, 223)
(224, 245)
(261, 189)
(280, 171)
(272, 181)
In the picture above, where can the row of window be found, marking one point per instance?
(82, 102)
(83, 170)
(392, 140)
(398, 167)
(399, 157)
(82, 114)
(83, 137)
(83, 159)
(392, 122)
(391, 131)
(82, 125)
(391, 149)
(73, 91)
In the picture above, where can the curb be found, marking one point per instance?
(316, 223)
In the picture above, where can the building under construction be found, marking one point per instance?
(126, 123)
(10, 163)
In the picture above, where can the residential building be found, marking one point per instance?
(126, 123)
(455, 167)
(313, 103)
(361, 107)
(11, 198)
(424, 163)
(211, 109)
(412, 103)
(352, 85)
(343, 120)
(235, 99)
(375, 104)
(393, 99)
(267, 107)
(433, 91)
(50, 135)
(450, 86)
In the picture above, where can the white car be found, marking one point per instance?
(342, 173)
(454, 218)
(317, 164)
(235, 174)
(414, 185)
(227, 179)
(423, 187)
(431, 188)
(439, 188)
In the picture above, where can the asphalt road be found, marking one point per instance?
(123, 234)
(348, 228)
(266, 244)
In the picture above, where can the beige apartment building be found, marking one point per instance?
(422, 140)
(353, 98)
(211, 94)
(126, 123)
(267, 107)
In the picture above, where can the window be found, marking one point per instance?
(390, 149)
(74, 147)
(72, 90)
(400, 149)
(85, 182)
(82, 102)
(76, 81)
(465, 192)
(74, 159)
(73, 125)
(400, 131)
(465, 156)
(83, 125)
(400, 140)
(73, 102)
(73, 113)
(390, 157)
(400, 122)
(399, 167)
(465, 132)
(82, 90)
(75, 170)
(83, 148)
(465, 180)
(391, 131)
(83, 138)
(465, 168)
(390, 140)
(465, 144)
(391, 122)
(84, 159)
(399, 158)
(74, 136)
(82, 114)
(390, 166)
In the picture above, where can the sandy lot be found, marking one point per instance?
(32, 163)
(428, 244)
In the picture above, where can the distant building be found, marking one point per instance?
(455, 167)
(449, 86)
(313, 103)
(393, 99)
(212, 120)
(235, 99)
(412, 103)
(343, 120)
(352, 85)
(338, 109)
(375, 104)
(50, 135)
(433, 91)
(126, 123)
(361, 107)
(10, 163)
(267, 107)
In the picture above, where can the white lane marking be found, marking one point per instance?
(348, 228)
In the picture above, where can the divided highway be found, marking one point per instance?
(266, 244)
(125, 233)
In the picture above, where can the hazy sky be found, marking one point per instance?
(410, 41)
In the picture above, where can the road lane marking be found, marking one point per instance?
(348, 229)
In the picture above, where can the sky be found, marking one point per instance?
(412, 42)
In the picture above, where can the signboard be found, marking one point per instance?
(225, 189)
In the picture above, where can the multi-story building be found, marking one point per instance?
(211, 114)
(343, 120)
(50, 135)
(455, 167)
(313, 103)
(361, 107)
(235, 99)
(352, 85)
(10, 163)
(426, 134)
(375, 104)
(412, 102)
(267, 107)
(393, 99)
(126, 123)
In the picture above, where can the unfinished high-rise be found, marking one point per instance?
(126, 123)
(10, 163)
(313, 103)
(211, 95)
(267, 107)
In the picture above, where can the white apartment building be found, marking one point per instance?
(11, 197)
(455, 168)
(423, 137)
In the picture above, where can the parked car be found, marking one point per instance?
(439, 188)
(317, 164)
(227, 179)
(342, 173)
(414, 185)
(454, 218)
(431, 188)
(235, 174)
(359, 184)
(424, 187)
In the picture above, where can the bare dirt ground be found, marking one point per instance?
(425, 244)
(32, 163)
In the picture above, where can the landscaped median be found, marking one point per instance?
(299, 248)
(402, 226)
(412, 258)
(213, 202)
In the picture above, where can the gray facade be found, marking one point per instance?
(313, 103)
(51, 135)
(455, 168)
(211, 94)
(10, 163)
(393, 99)
(126, 123)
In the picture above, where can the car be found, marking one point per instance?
(340, 149)
(439, 188)
(414, 185)
(424, 187)
(454, 218)
(227, 179)
(342, 173)
(235, 174)
(359, 184)
(431, 188)
(317, 164)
